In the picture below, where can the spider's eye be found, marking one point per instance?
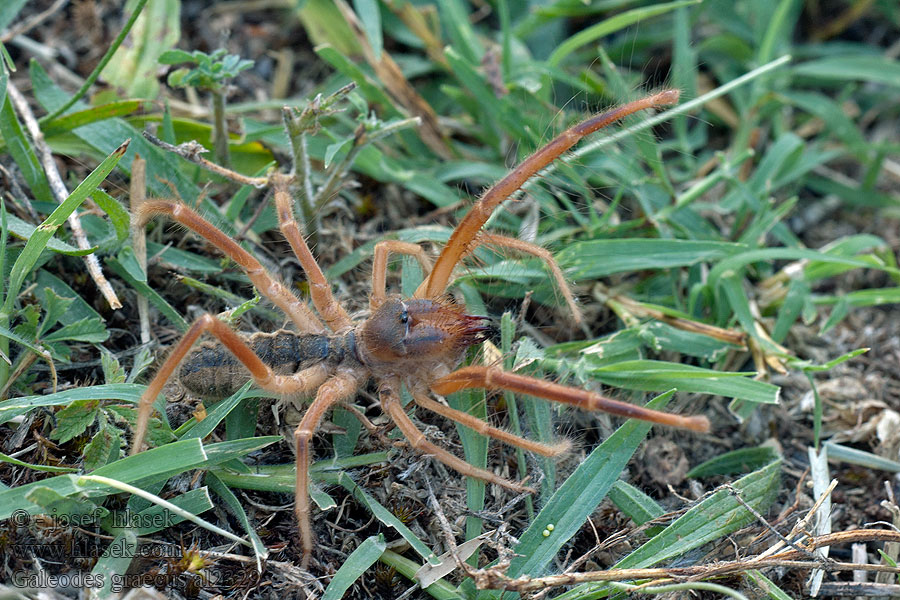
(404, 316)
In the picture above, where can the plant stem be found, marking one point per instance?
(220, 129)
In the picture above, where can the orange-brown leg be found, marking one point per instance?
(338, 388)
(485, 429)
(267, 285)
(491, 378)
(492, 239)
(459, 243)
(390, 404)
(334, 314)
(300, 382)
(379, 266)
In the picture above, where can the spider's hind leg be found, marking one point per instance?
(303, 381)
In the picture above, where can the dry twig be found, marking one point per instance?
(61, 193)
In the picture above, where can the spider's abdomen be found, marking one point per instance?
(211, 371)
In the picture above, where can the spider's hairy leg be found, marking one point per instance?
(459, 243)
(267, 285)
(379, 266)
(319, 289)
(390, 404)
(336, 389)
(539, 252)
(301, 382)
(485, 429)
(491, 378)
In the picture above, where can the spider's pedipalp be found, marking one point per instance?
(491, 378)
(267, 285)
(464, 234)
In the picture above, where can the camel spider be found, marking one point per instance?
(417, 342)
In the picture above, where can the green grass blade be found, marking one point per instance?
(877, 69)
(715, 517)
(234, 506)
(365, 555)
(578, 496)
(46, 230)
(741, 460)
(656, 376)
(19, 146)
(639, 507)
(113, 564)
(611, 25)
(599, 258)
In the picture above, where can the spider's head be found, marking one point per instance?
(420, 329)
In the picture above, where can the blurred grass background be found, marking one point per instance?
(706, 251)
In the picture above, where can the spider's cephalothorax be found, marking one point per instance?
(429, 336)
(418, 341)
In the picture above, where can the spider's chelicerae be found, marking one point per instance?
(418, 342)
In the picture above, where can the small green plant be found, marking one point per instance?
(211, 73)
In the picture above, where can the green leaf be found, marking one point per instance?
(234, 505)
(44, 468)
(19, 146)
(73, 420)
(8, 11)
(853, 456)
(125, 265)
(114, 563)
(104, 448)
(715, 517)
(77, 311)
(176, 56)
(639, 507)
(24, 231)
(117, 214)
(54, 503)
(369, 13)
(94, 114)
(156, 518)
(87, 330)
(354, 566)
(656, 376)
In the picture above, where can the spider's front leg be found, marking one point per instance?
(267, 285)
(492, 378)
(302, 382)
